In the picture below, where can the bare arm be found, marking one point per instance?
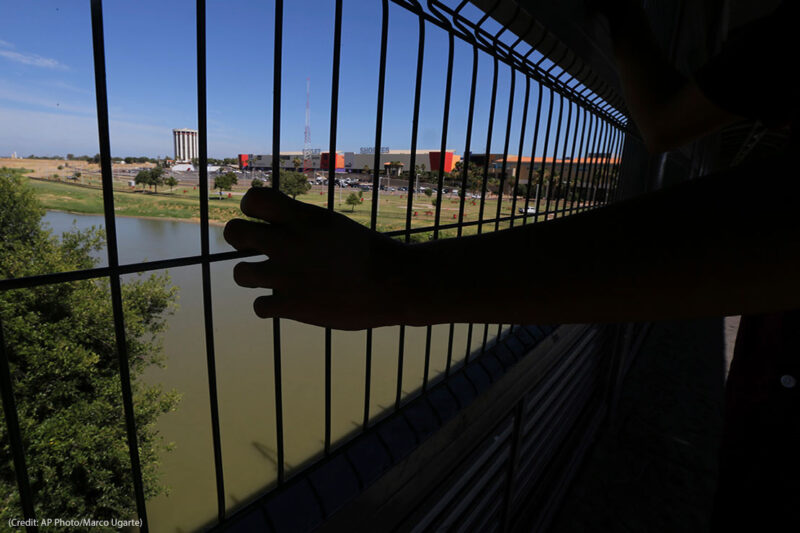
(709, 247)
(668, 108)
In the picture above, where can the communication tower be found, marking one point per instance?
(307, 167)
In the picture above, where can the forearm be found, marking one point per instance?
(713, 246)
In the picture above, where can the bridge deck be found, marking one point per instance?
(654, 467)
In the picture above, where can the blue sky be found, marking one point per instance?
(47, 99)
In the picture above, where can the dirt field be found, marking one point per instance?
(45, 168)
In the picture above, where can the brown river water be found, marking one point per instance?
(245, 375)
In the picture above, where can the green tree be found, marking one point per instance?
(257, 182)
(353, 200)
(474, 175)
(171, 181)
(157, 177)
(294, 183)
(297, 162)
(142, 178)
(151, 178)
(225, 182)
(60, 343)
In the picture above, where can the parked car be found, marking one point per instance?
(527, 211)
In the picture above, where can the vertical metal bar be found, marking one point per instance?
(412, 172)
(439, 195)
(98, 49)
(533, 156)
(469, 343)
(202, 126)
(602, 163)
(467, 143)
(276, 182)
(613, 179)
(400, 357)
(598, 161)
(15, 436)
(583, 167)
(445, 123)
(489, 129)
(563, 178)
(327, 406)
(544, 158)
(505, 149)
(367, 380)
(618, 167)
(449, 362)
(519, 151)
(379, 115)
(607, 165)
(569, 180)
(428, 332)
(576, 163)
(413, 161)
(486, 170)
(465, 168)
(555, 157)
(589, 163)
(620, 163)
(337, 48)
(612, 165)
(373, 219)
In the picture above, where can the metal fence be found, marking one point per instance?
(582, 144)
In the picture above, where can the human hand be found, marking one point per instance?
(325, 268)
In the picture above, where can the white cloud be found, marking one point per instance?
(32, 59)
(6, 44)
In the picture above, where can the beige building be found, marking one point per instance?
(185, 145)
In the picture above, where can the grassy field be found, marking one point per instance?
(184, 203)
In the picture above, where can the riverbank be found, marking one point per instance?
(182, 203)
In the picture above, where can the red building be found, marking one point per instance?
(324, 162)
(435, 161)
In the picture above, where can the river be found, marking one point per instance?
(244, 361)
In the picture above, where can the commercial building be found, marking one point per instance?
(185, 144)
(355, 162)
(576, 168)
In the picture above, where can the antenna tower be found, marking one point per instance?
(307, 137)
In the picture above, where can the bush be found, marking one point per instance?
(61, 346)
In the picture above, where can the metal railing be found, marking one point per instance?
(582, 144)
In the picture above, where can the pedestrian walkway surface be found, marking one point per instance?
(653, 467)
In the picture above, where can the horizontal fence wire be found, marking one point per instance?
(586, 151)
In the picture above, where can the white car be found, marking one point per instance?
(527, 211)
